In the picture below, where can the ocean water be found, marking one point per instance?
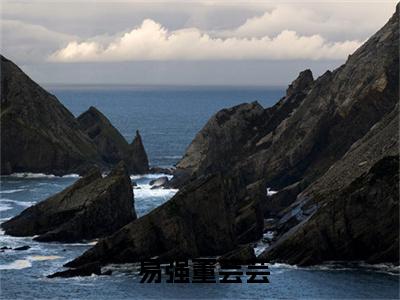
(168, 118)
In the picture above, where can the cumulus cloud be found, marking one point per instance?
(152, 41)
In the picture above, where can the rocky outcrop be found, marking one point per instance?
(377, 150)
(137, 157)
(206, 217)
(111, 145)
(86, 270)
(232, 134)
(360, 222)
(312, 144)
(38, 133)
(92, 207)
(159, 182)
(230, 128)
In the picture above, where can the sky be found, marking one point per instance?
(184, 42)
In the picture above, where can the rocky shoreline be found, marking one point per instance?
(329, 150)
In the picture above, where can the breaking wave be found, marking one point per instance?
(41, 175)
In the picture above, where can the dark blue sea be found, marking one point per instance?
(168, 119)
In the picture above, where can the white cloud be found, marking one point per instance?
(333, 21)
(151, 41)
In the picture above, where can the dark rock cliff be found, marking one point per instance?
(111, 145)
(359, 222)
(204, 218)
(137, 157)
(92, 207)
(38, 134)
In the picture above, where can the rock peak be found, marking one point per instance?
(138, 156)
(301, 83)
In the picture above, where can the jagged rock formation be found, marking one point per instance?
(40, 135)
(315, 141)
(238, 129)
(111, 145)
(301, 137)
(359, 222)
(329, 134)
(204, 218)
(92, 207)
(137, 157)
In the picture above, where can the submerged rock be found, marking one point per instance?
(159, 182)
(22, 248)
(92, 207)
(86, 270)
(160, 170)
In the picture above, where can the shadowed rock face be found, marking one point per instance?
(205, 218)
(38, 133)
(137, 156)
(360, 222)
(358, 206)
(232, 134)
(111, 145)
(92, 207)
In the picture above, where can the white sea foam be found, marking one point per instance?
(41, 175)
(269, 235)
(43, 257)
(89, 243)
(4, 207)
(11, 191)
(145, 191)
(283, 266)
(150, 176)
(16, 265)
(260, 247)
(20, 203)
(271, 192)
